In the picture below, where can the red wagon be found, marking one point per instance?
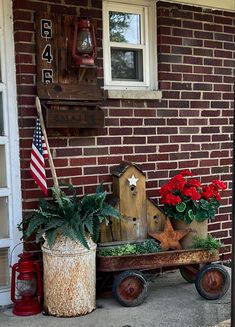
(130, 286)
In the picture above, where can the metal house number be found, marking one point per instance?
(46, 33)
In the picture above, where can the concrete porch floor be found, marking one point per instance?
(172, 302)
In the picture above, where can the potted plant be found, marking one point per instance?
(70, 228)
(187, 201)
(209, 243)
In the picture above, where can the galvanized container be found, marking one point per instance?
(69, 278)
(197, 228)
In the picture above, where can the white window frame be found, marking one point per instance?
(10, 140)
(148, 88)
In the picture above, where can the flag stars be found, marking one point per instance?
(37, 137)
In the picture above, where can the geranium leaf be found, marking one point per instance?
(190, 214)
(181, 206)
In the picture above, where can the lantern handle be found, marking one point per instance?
(13, 282)
(10, 265)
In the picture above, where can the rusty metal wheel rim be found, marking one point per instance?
(189, 272)
(213, 281)
(130, 288)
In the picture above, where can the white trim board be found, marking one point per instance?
(10, 139)
(212, 4)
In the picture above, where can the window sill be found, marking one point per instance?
(134, 94)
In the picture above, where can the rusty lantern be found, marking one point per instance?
(26, 288)
(84, 43)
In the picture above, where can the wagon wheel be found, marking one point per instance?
(212, 282)
(189, 272)
(130, 288)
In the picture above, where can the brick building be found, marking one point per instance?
(175, 113)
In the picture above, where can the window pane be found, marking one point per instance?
(1, 116)
(127, 64)
(4, 230)
(124, 27)
(4, 268)
(3, 182)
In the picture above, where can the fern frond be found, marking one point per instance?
(50, 237)
(89, 222)
(96, 230)
(69, 231)
(109, 211)
(46, 206)
(93, 202)
(24, 223)
(39, 234)
(34, 224)
(50, 226)
(82, 237)
(40, 213)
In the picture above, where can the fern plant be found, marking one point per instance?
(69, 217)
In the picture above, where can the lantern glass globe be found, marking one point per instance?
(84, 42)
(26, 287)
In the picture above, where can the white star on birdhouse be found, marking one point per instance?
(133, 180)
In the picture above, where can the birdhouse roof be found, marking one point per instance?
(122, 168)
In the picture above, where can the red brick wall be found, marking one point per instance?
(190, 127)
(196, 60)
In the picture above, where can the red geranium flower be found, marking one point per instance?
(208, 192)
(172, 199)
(186, 172)
(193, 195)
(194, 182)
(177, 182)
(220, 184)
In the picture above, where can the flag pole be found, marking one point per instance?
(51, 163)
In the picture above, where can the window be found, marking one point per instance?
(129, 49)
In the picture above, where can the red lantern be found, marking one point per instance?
(26, 289)
(84, 43)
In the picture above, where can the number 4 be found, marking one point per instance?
(47, 55)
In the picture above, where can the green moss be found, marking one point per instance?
(147, 246)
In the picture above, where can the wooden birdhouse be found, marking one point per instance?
(139, 214)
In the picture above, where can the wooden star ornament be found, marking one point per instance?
(169, 238)
(132, 180)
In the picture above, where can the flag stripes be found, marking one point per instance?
(38, 154)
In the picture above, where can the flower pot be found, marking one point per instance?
(69, 278)
(198, 228)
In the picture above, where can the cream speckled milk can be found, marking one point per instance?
(69, 278)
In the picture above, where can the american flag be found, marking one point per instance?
(38, 154)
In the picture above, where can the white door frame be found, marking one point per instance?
(10, 140)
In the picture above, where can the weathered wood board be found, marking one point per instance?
(133, 205)
(58, 76)
(155, 217)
